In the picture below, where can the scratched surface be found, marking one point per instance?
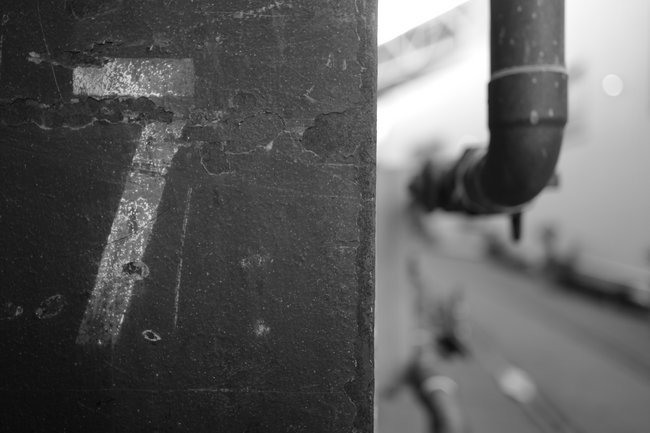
(243, 300)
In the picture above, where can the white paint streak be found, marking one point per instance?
(179, 270)
(2, 40)
(47, 48)
(261, 329)
(50, 307)
(34, 57)
(130, 233)
(260, 12)
(136, 77)
(257, 260)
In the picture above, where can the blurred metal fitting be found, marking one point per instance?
(455, 187)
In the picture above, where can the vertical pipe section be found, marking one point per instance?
(527, 98)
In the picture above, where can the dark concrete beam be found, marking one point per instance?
(187, 212)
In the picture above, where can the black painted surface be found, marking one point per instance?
(274, 324)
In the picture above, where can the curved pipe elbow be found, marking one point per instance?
(527, 100)
(520, 165)
(528, 112)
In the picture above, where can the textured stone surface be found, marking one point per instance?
(251, 302)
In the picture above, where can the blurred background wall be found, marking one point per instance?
(601, 206)
(588, 359)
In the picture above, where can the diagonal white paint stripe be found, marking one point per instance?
(121, 264)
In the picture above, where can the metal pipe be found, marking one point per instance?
(527, 98)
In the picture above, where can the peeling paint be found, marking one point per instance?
(50, 307)
(10, 311)
(308, 96)
(78, 114)
(136, 77)
(297, 130)
(120, 266)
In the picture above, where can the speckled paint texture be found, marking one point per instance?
(207, 214)
(135, 77)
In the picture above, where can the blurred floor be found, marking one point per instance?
(590, 362)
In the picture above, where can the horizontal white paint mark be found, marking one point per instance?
(136, 77)
(121, 262)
